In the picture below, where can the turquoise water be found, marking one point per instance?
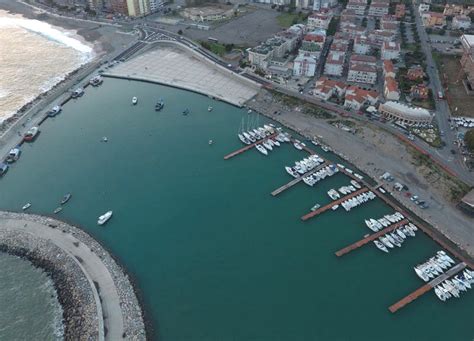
(216, 257)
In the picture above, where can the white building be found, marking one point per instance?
(304, 66)
(259, 56)
(325, 88)
(358, 6)
(323, 4)
(356, 97)
(302, 4)
(334, 64)
(407, 115)
(362, 45)
(423, 8)
(378, 9)
(155, 5)
(390, 50)
(461, 22)
(362, 73)
(318, 20)
(363, 59)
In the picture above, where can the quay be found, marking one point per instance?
(427, 287)
(336, 202)
(298, 179)
(247, 147)
(370, 238)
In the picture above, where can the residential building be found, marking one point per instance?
(155, 5)
(352, 30)
(390, 50)
(423, 8)
(318, 20)
(358, 6)
(325, 88)
(279, 67)
(118, 6)
(334, 64)
(260, 55)
(339, 48)
(461, 22)
(454, 10)
(348, 15)
(138, 8)
(378, 9)
(433, 19)
(467, 59)
(304, 66)
(363, 59)
(323, 4)
(341, 37)
(400, 11)
(302, 4)
(362, 73)
(356, 97)
(362, 45)
(378, 37)
(415, 73)
(390, 89)
(388, 68)
(419, 91)
(407, 115)
(313, 43)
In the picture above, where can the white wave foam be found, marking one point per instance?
(47, 31)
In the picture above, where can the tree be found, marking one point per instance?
(469, 140)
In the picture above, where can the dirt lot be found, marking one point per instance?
(456, 94)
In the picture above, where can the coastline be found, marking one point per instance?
(73, 279)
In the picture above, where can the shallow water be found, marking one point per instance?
(216, 257)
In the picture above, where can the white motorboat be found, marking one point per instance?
(57, 210)
(335, 207)
(267, 145)
(26, 206)
(209, 108)
(370, 225)
(380, 246)
(440, 294)
(400, 233)
(315, 207)
(298, 146)
(261, 149)
(421, 274)
(386, 242)
(104, 218)
(333, 194)
(134, 100)
(243, 139)
(276, 143)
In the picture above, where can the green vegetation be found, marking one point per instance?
(333, 26)
(215, 48)
(288, 19)
(315, 111)
(469, 140)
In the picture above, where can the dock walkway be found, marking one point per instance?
(298, 179)
(370, 238)
(427, 287)
(335, 202)
(247, 147)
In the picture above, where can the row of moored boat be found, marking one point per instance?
(304, 166)
(387, 220)
(396, 237)
(358, 200)
(434, 266)
(257, 134)
(455, 286)
(321, 174)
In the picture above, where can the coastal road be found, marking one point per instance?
(92, 266)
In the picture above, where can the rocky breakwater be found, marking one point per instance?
(74, 292)
(97, 295)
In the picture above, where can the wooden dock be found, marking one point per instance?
(427, 287)
(298, 179)
(247, 147)
(370, 238)
(335, 202)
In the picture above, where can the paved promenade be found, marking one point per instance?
(183, 68)
(117, 303)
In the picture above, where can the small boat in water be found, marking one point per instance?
(14, 155)
(104, 218)
(77, 93)
(66, 198)
(159, 105)
(261, 149)
(31, 134)
(211, 142)
(57, 210)
(186, 111)
(380, 246)
(26, 206)
(315, 207)
(104, 139)
(134, 100)
(209, 108)
(54, 111)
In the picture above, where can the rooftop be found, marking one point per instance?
(405, 110)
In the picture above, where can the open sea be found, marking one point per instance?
(34, 56)
(215, 256)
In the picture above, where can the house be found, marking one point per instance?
(313, 43)
(388, 69)
(352, 29)
(390, 89)
(356, 97)
(304, 66)
(433, 19)
(461, 22)
(454, 10)
(400, 11)
(415, 73)
(378, 9)
(419, 91)
(390, 50)
(361, 45)
(362, 73)
(323, 4)
(318, 20)
(407, 115)
(348, 15)
(339, 48)
(358, 6)
(325, 88)
(334, 64)
(389, 26)
(378, 37)
(341, 37)
(423, 8)
(260, 55)
(363, 59)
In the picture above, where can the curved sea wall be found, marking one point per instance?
(97, 296)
